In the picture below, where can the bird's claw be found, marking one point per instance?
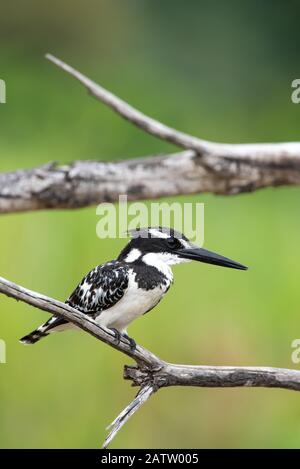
(131, 341)
(117, 334)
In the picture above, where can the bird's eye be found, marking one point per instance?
(173, 243)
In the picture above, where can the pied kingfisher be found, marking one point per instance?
(119, 291)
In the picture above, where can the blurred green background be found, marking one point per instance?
(220, 70)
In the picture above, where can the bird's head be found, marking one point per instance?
(165, 245)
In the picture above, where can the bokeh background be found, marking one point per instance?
(219, 70)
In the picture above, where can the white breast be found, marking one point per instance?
(133, 304)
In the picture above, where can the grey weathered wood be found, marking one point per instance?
(85, 183)
(142, 396)
(269, 152)
(215, 376)
(204, 167)
(150, 372)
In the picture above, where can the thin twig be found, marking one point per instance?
(142, 396)
(131, 114)
(268, 152)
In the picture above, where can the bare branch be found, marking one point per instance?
(142, 396)
(142, 121)
(45, 303)
(274, 153)
(150, 372)
(85, 183)
(216, 376)
(204, 167)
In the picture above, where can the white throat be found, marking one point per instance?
(162, 261)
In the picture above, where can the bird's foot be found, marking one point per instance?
(117, 334)
(131, 341)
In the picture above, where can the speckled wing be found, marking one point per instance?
(102, 288)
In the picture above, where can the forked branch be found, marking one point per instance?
(150, 372)
(203, 167)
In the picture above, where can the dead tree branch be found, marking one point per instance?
(151, 373)
(268, 152)
(204, 167)
(131, 114)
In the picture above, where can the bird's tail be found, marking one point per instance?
(33, 337)
(42, 331)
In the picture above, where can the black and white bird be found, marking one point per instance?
(116, 293)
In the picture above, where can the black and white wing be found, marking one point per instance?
(102, 288)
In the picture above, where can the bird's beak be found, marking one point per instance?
(202, 255)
